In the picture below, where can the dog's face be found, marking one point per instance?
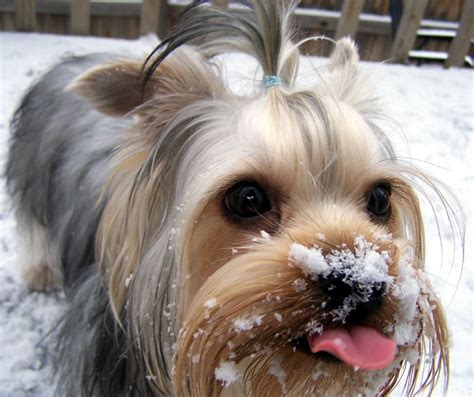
(271, 244)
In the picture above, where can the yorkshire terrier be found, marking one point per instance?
(219, 243)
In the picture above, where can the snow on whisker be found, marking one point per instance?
(243, 324)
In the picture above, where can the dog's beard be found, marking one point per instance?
(250, 321)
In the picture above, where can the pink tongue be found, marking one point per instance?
(358, 346)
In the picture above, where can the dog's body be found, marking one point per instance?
(69, 148)
(219, 243)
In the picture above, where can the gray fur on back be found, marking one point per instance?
(58, 163)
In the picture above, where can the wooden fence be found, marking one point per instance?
(398, 37)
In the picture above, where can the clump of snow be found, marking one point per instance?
(227, 372)
(198, 333)
(210, 303)
(314, 327)
(366, 264)
(365, 269)
(321, 236)
(309, 260)
(300, 284)
(319, 372)
(128, 280)
(275, 369)
(243, 324)
(195, 359)
(407, 291)
(278, 317)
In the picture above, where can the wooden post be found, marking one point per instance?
(222, 4)
(413, 11)
(154, 18)
(460, 45)
(349, 20)
(25, 15)
(80, 17)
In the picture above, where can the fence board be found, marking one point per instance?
(349, 20)
(461, 43)
(154, 17)
(413, 11)
(80, 17)
(25, 15)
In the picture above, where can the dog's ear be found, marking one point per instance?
(345, 54)
(117, 88)
(346, 81)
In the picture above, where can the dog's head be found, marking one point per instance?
(271, 241)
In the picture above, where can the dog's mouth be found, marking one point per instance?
(358, 346)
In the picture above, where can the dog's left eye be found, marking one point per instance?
(247, 200)
(379, 200)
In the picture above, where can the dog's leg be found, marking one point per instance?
(40, 261)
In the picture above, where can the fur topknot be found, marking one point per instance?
(261, 29)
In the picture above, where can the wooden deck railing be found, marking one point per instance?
(154, 16)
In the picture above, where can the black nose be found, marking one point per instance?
(343, 287)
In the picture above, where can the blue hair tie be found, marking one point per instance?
(270, 80)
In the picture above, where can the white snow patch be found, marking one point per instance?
(321, 236)
(300, 285)
(309, 260)
(227, 372)
(278, 317)
(407, 291)
(365, 267)
(210, 303)
(314, 327)
(243, 324)
(275, 369)
(128, 280)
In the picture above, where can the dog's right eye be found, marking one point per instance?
(247, 200)
(379, 200)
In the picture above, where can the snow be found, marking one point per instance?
(407, 291)
(210, 303)
(128, 280)
(300, 284)
(275, 369)
(227, 372)
(278, 317)
(244, 324)
(365, 268)
(309, 260)
(434, 112)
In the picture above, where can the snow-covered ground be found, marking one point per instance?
(433, 110)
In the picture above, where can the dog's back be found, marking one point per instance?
(66, 144)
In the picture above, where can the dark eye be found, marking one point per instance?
(247, 200)
(379, 200)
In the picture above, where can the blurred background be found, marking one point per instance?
(415, 31)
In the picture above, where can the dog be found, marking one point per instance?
(217, 243)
